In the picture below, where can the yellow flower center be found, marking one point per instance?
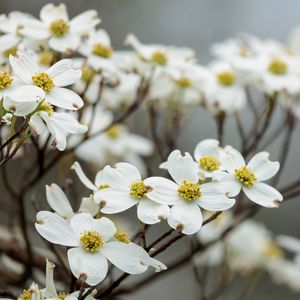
(189, 190)
(277, 67)
(47, 107)
(245, 176)
(273, 251)
(62, 296)
(209, 163)
(184, 82)
(87, 74)
(159, 57)
(26, 295)
(226, 78)
(138, 189)
(5, 80)
(114, 131)
(122, 236)
(102, 50)
(11, 51)
(44, 81)
(91, 241)
(46, 58)
(103, 186)
(59, 28)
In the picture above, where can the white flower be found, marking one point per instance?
(250, 246)
(18, 98)
(249, 177)
(59, 124)
(50, 81)
(186, 194)
(33, 293)
(278, 73)
(222, 91)
(63, 35)
(159, 55)
(90, 244)
(127, 189)
(59, 202)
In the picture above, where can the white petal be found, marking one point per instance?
(113, 177)
(214, 197)
(8, 41)
(23, 66)
(50, 286)
(186, 216)
(88, 205)
(51, 12)
(84, 22)
(55, 229)
(35, 29)
(64, 98)
(63, 73)
(37, 124)
(288, 242)
(85, 222)
(263, 194)
(130, 171)
(69, 42)
(162, 190)
(83, 178)
(114, 201)
(58, 201)
(182, 167)
(232, 186)
(94, 265)
(150, 212)
(129, 258)
(262, 167)
(19, 108)
(206, 147)
(231, 159)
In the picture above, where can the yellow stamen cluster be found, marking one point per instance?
(184, 82)
(103, 186)
(26, 295)
(44, 81)
(138, 189)
(45, 106)
(114, 131)
(245, 176)
(59, 28)
(91, 241)
(159, 57)
(5, 80)
(277, 67)
(189, 190)
(11, 51)
(47, 58)
(102, 50)
(273, 251)
(209, 163)
(87, 74)
(122, 236)
(226, 78)
(62, 296)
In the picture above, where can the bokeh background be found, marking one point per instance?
(198, 24)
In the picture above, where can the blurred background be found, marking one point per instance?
(198, 24)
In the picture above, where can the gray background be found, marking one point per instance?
(198, 24)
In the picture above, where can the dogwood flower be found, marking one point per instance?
(59, 202)
(127, 189)
(63, 34)
(90, 246)
(59, 124)
(186, 194)
(250, 177)
(50, 81)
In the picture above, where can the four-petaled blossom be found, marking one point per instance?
(248, 178)
(187, 193)
(91, 246)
